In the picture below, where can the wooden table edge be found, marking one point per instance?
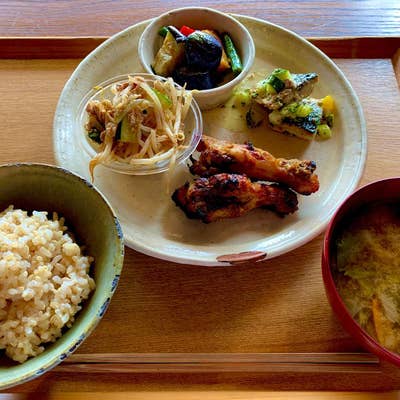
(57, 47)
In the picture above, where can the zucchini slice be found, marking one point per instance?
(168, 56)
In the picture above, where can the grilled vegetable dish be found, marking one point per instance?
(283, 99)
(236, 178)
(304, 119)
(199, 59)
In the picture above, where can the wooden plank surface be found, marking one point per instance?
(277, 306)
(102, 18)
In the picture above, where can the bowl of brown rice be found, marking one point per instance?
(61, 255)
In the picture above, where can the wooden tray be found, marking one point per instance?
(266, 324)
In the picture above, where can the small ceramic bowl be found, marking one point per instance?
(88, 215)
(200, 18)
(193, 128)
(386, 191)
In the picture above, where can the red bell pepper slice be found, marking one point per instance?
(186, 30)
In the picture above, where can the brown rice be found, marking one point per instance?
(44, 277)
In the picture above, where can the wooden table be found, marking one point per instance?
(169, 327)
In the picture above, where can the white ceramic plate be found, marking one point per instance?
(153, 225)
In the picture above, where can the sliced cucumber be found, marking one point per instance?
(276, 83)
(303, 110)
(164, 99)
(323, 131)
(282, 74)
(290, 110)
(118, 132)
(263, 89)
(242, 98)
(94, 134)
(127, 134)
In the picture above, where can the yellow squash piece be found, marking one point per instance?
(168, 56)
(328, 104)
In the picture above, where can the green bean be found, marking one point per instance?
(232, 54)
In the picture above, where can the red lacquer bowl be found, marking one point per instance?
(386, 190)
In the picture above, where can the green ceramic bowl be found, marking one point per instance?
(89, 216)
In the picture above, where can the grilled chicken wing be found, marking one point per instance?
(220, 156)
(230, 195)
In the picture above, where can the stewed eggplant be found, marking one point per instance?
(203, 51)
(200, 80)
(199, 59)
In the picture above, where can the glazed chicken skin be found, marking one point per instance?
(229, 195)
(219, 156)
